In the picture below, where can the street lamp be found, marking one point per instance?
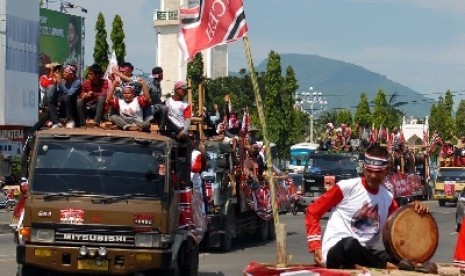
(311, 99)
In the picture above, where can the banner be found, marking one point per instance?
(213, 22)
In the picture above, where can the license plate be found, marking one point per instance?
(93, 264)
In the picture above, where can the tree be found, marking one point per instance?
(273, 97)
(117, 38)
(195, 69)
(101, 46)
(362, 115)
(460, 119)
(441, 119)
(344, 117)
(380, 110)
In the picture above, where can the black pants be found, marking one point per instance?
(98, 107)
(348, 252)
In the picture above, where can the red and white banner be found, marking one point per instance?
(213, 22)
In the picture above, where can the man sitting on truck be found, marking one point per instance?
(130, 107)
(65, 91)
(93, 96)
(179, 112)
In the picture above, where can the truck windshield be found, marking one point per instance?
(451, 174)
(94, 168)
(332, 164)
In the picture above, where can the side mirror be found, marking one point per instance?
(24, 185)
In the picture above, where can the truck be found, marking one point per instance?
(324, 169)
(299, 155)
(104, 202)
(234, 206)
(448, 183)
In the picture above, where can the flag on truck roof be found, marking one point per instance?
(213, 22)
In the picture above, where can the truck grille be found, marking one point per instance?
(93, 235)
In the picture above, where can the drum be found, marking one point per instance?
(409, 235)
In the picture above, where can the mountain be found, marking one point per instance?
(341, 83)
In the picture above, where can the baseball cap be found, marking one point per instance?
(181, 84)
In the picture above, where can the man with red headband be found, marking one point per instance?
(359, 208)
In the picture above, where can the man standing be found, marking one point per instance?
(359, 208)
(65, 91)
(157, 109)
(179, 111)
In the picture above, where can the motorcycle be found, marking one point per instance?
(8, 202)
(295, 202)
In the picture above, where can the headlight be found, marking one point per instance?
(147, 240)
(42, 235)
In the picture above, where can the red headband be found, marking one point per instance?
(125, 69)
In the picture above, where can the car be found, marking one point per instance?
(460, 211)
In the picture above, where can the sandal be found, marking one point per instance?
(427, 267)
(407, 265)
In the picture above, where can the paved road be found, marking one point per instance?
(246, 250)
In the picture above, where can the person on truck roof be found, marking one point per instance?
(157, 110)
(359, 210)
(93, 96)
(130, 107)
(179, 111)
(65, 91)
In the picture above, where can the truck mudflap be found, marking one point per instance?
(115, 260)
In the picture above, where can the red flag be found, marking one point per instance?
(213, 22)
(245, 123)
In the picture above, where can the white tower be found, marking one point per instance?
(168, 54)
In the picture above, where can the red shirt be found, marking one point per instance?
(98, 89)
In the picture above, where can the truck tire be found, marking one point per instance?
(442, 202)
(191, 267)
(26, 270)
(263, 230)
(271, 230)
(226, 237)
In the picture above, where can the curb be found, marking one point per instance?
(5, 229)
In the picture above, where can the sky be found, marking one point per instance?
(417, 43)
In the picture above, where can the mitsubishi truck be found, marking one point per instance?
(104, 202)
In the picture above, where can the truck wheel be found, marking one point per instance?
(26, 270)
(271, 231)
(226, 239)
(442, 202)
(263, 230)
(191, 267)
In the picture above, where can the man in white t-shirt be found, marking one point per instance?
(179, 111)
(130, 107)
(359, 208)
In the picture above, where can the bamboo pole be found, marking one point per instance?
(281, 252)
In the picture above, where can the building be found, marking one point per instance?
(414, 131)
(168, 54)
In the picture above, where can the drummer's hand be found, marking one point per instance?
(318, 258)
(419, 207)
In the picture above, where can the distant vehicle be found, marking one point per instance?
(300, 154)
(325, 169)
(459, 213)
(447, 184)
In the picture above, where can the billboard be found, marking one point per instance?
(61, 39)
(19, 34)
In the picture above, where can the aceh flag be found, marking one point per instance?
(213, 22)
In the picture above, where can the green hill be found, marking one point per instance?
(341, 83)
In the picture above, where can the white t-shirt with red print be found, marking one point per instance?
(357, 211)
(178, 111)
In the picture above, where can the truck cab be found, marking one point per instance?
(448, 182)
(104, 201)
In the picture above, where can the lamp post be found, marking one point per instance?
(311, 99)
